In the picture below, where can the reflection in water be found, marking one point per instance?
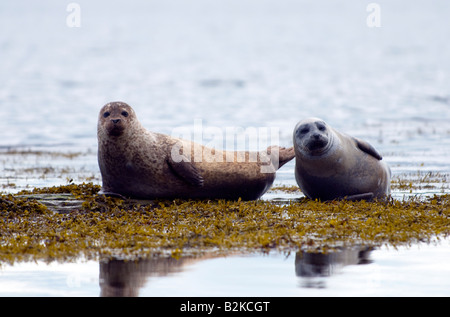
(418, 270)
(127, 278)
(309, 265)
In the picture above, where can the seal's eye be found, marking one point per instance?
(124, 113)
(304, 130)
(320, 126)
(106, 114)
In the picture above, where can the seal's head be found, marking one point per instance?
(313, 137)
(115, 117)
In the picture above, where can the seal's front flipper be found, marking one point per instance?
(186, 171)
(111, 194)
(365, 196)
(367, 148)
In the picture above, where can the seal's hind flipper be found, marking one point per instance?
(186, 171)
(284, 154)
(367, 148)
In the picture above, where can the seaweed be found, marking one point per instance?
(65, 223)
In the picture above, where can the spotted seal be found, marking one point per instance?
(135, 162)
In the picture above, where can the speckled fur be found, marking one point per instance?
(137, 163)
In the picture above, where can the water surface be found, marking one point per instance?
(419, 270)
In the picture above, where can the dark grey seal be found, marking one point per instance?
(332, 165)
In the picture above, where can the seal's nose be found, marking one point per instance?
(115, 120)
(316, 136)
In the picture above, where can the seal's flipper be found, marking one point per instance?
(111, 194)
(365, 196)
(284, 155)
(367, 148)
(186, 171)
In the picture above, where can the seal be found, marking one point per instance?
(137, 163)
(332, 165)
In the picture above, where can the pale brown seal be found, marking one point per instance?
(137, 163)
(332, 165)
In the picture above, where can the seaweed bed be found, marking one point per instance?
(70, 222)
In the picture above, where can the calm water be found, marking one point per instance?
(415, 271)
(233, 63)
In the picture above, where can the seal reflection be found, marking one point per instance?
(125, 278)
(310, 265)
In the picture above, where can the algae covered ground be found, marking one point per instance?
(65, 223)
